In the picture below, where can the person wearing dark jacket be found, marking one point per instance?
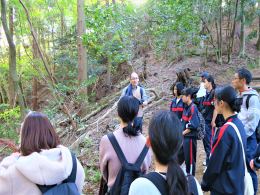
(208, 114)
(190, 122)
(177, 103)
(225, 172)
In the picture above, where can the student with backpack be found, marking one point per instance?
(190, 121)
(165, 138)
(177, 103)
(249, 115)
(134, 89)
(42, 166)
(124, 152)
(226, 169)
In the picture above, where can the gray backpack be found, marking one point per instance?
(67, 187)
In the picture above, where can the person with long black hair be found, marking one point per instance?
(190, 121)
(225, 171)
(165, 138)
(129, 138)
(177, 103)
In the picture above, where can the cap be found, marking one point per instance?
(204, 74)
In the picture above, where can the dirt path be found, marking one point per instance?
(161, 75)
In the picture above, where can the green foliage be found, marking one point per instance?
(108, 38)
(10, 122)
(174, 26)
(92, 175)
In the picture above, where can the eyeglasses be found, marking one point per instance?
(134, 78)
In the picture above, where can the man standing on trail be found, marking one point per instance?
(249, 115)
(133, 89)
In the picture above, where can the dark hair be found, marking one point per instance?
(245, 74)
(165, 133)
(211, 80)
(127, 109)
(228, 94)
(37, 133)
(179, 86)
(190, 91)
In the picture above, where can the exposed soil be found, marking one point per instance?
(161, 75)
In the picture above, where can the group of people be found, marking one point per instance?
(231, 115)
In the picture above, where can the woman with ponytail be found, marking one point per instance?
(129, 138)
(165, 138)
(225, 171)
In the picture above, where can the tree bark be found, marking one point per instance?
(13, 77)
(258, 41)
(220, 32)
(232, 37)
(45, 63)
(82, 56)
(242, 30)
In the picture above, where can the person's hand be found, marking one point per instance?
(186, 131)
(213, 124)
(252, 164)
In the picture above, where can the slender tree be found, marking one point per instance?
(82, 56)
(242, 30)
(14, 90)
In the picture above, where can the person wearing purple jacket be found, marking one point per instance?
(129, 138)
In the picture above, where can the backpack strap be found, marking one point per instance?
(193, 189)
(141, 157)
(248, 98)
(117, 149)
(141, 92)
(121, 155)
(159, 182)
(71, 178)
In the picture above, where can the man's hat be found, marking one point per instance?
(204, 74)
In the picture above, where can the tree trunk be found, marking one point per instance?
(82, 56)
(35, 105)
(45, 62)
(242, 30)
(109, 70)
(231, 42)
(258, 41)
(13, 78)
(107, 2)
(36, 56)
(220, 32)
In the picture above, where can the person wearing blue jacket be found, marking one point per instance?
(225, 171)
(190, 121)
(177, 103)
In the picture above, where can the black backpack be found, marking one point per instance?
(162, 186)
(258, 126)
(129, 172)
(67, 187)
